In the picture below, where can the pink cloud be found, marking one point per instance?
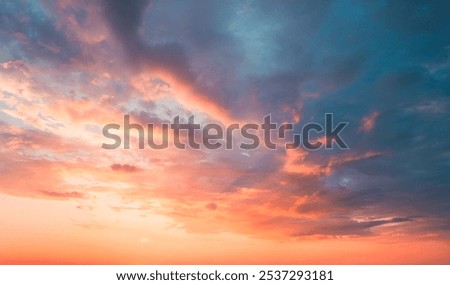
(368, 122)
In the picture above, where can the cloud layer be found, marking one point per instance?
(69, 68)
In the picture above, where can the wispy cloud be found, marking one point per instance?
(67, 69)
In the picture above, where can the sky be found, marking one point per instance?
(68, 68)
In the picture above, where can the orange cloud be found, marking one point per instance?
(368, 122)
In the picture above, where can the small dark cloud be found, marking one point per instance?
(124, 168)
(211, 206)
(62, 195)
(377, 223)
(124, 20)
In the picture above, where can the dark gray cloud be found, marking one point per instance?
(125, 20)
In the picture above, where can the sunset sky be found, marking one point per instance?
(68, 68)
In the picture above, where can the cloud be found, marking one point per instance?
(368, 122)
(35, 35)
(62, 195)
(343, 228)
(124, 167)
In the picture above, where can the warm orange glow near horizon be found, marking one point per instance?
(109, 236)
